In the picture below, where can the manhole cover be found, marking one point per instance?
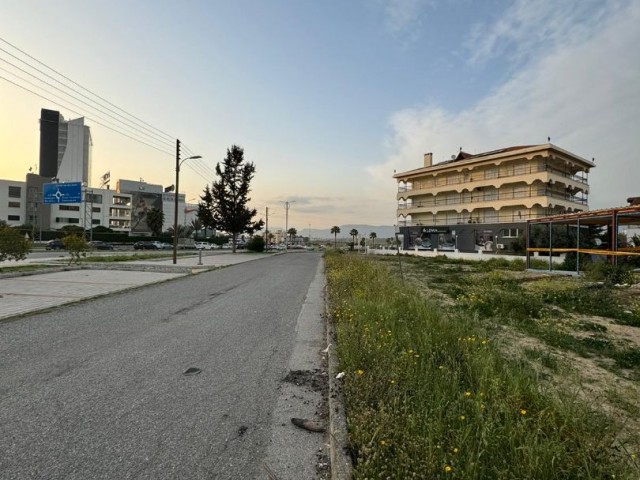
(192, 371)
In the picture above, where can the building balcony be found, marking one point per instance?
(494, 199)
(492, 177)
(506, 217)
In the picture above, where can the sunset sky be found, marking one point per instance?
(329, 97)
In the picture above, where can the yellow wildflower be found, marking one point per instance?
(359, 371)
(523, 412)
(448, 469)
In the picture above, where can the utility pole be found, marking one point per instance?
(175, 205)
(286, 224)
(266, 230)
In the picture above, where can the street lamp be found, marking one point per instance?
(175, 210)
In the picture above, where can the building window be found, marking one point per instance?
(14, 218)
(96, 209)
(15, 192)
(510, 232)
(69, 208)
(121, 201)
(95, 221)
(67, 220)
(14, 204)
(93, 198)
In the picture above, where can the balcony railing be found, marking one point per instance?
(462, 199)
(489, 175)
(465, 220)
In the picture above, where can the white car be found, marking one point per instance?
(203, 246)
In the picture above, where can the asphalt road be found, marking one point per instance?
(97, 389)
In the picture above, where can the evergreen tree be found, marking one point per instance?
(224, 206)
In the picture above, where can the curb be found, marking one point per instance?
(194, 269)
(341, 464)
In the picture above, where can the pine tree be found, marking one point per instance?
(224, 206)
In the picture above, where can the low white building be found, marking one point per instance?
(21, 204)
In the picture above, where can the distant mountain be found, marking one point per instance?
(382, 232)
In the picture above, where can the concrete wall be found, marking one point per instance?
(479, 256)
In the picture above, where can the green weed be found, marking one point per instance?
(429, 396)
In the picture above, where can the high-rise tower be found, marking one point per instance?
(65, 148)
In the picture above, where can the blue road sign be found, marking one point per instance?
(62, 192)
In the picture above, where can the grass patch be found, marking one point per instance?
(23, 268)
(429, 396)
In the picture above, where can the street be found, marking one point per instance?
(98, 390)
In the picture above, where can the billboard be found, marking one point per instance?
(142, 203)
(62, 192)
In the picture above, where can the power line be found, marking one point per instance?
(79, 107)
(85, 89)
(133, 127)
(89, 118)
(130, 124)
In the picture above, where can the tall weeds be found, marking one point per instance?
(429, 396)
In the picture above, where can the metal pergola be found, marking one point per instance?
(612, 218)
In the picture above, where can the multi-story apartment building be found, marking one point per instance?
(482, 201)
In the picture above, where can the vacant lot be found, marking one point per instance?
(482, 370)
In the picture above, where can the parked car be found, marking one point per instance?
(100, 245)
(55, 244)
(424, 245)
(145, 246)
(203, 245)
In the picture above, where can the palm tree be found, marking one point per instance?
(155, 219)
(196, 224)
(292, 233)
(354, 234)
(335, 230)
(373, 236)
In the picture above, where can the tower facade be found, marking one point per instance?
(65, 148)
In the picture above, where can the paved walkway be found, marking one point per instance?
(34, 292)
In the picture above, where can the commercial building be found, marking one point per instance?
(65, 156)
(482, 201)
(21, 204)
(65, 148)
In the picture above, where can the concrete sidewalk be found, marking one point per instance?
(28, 293)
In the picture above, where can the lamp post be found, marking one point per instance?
(175, 210)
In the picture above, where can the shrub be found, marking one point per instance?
(611, 274)
(76, 246)
(13, 245)
(256, 244)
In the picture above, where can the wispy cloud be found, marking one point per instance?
(404, 17)
(528, 28)
(583, 94)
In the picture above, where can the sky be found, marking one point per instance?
(328, 98)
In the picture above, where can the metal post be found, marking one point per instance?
(550, 248)
(175, 212)
(578, 248)
(200, 256)
(286, 225)
(527, 245)
(91, 218)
